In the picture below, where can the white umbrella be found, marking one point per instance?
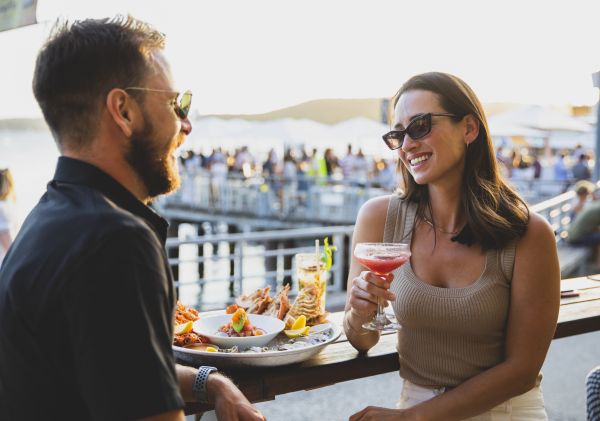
(537, 117)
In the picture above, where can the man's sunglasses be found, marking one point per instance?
(182, 103)
(418, 128)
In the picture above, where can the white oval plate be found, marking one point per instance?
(209, 325)
(251, 359)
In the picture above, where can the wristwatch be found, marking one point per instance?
(199, 389)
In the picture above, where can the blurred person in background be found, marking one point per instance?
(361, 169)
(581, 170)
(347, 163)
(561, 172)
(584, 193)
(331, 162)
(8, 219)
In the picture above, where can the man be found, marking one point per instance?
(86, 295)
(581, 170)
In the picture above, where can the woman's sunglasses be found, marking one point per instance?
(182, 103)
(418, 128)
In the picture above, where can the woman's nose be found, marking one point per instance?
(408, 143)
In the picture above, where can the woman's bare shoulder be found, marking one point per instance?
(538, 226)
(538, 237)
(370, 221)
(374, 208)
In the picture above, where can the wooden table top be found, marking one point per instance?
(340, 362)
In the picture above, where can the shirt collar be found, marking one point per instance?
(74, 171)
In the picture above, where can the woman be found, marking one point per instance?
(7, 211)
(478, 301)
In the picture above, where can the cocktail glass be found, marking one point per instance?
(381, 258)
(307, 272)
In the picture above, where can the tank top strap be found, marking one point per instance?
(399, 220)
(507, 259)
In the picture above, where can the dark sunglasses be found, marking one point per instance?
(418, 128)
(182, 103)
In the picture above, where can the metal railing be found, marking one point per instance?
(557, 212)
(304, 199)
(265, 257)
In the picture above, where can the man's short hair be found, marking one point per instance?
(81, 62)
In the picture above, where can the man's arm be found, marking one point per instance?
(230, 403)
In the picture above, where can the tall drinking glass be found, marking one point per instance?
(381, 258)
(311, 270)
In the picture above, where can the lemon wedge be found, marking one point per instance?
(299, 323)
(184, 328)
(295, 333)
(211, 349)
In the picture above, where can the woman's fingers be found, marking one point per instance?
(367, 289)
(375, 285)
(382, 281)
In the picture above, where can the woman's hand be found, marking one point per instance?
(366, 289)
(376, 413)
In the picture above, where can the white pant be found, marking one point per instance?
(526, 407)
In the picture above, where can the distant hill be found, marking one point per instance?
(327, 111)
(333, 111)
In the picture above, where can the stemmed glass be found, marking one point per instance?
(381, 258)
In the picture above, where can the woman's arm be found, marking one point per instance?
(364, 287)
(534, 305)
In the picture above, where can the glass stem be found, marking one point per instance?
(380, 318)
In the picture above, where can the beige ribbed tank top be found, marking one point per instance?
(448, 335)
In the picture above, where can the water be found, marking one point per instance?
(31, 155)
(216, 266)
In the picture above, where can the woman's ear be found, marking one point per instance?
(471, 128)
(123, 110)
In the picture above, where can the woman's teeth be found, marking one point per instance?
(419, 159)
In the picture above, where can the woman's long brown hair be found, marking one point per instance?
(495, 213)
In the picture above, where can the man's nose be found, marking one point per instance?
(186, 126)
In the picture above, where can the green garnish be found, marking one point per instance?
(327, 255)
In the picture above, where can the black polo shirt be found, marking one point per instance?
(86, 306)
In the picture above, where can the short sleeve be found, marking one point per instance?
(119, 311)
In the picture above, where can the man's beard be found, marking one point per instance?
(152, 164)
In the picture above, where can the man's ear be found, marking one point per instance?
(471, 128)
(123, 110)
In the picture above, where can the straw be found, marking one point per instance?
(318, 258)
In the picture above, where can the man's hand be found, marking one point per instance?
(230, 402)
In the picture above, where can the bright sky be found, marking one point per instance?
(256, 56)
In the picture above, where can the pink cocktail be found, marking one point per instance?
(382, 265)
(381, 258)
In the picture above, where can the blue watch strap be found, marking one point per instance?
(199, 389)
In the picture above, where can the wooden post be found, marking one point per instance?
(200, 270)
(271, 264)
(232, 229)
(287, 262)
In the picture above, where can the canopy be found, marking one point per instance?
(533, 120)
